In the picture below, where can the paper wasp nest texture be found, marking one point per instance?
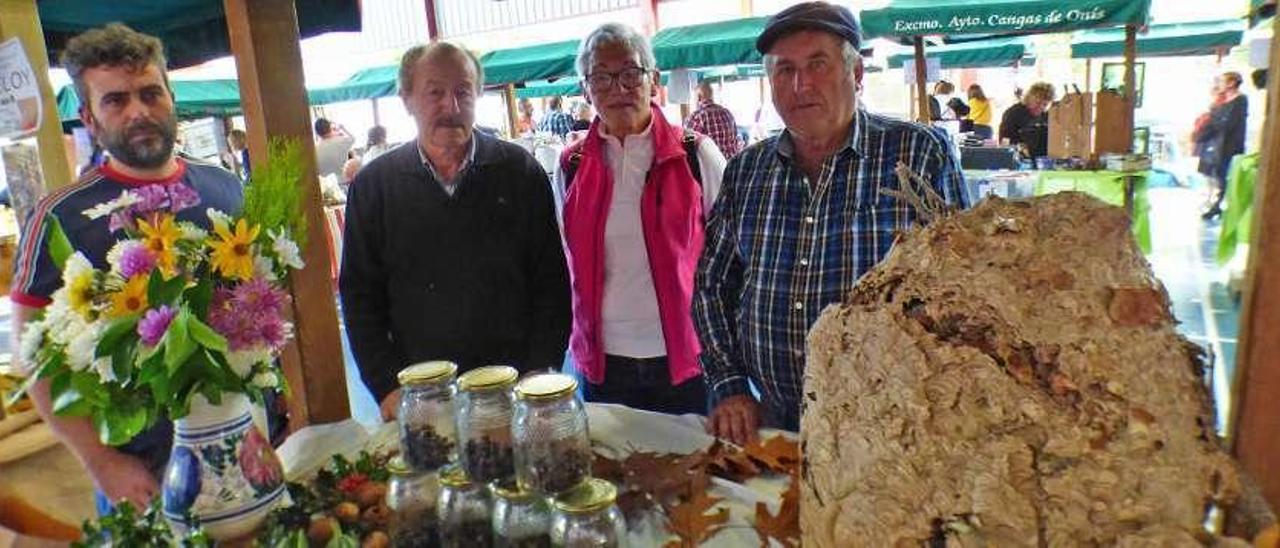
(1009, 376)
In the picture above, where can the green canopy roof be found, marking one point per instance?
(193, 31)
(540, 62)
(994, 52)
(193, 99)
(902, 18)
(1183, 39)
(709, 45)
(370, 83)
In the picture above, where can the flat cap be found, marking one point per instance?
(837, 20)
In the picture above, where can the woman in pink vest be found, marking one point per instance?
(634, 194)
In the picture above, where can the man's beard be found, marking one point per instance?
(143, 154)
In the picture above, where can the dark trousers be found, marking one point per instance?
(644, 383)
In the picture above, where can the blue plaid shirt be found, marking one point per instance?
(557, 122)
(778, 251)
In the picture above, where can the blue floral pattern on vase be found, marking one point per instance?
(181, 481)
(221, 472)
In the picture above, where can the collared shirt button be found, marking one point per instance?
(804, 262)
(799, 305)
(810, 219)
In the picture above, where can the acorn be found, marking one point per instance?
(347, 512)
(376, 539)
(321, 529)
(371, 493)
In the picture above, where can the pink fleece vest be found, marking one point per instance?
(671, 219)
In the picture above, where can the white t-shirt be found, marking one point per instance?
(331, 154)
(631, 324)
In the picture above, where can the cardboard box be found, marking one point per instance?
(1070, 124)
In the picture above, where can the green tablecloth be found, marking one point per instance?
(1107, 186)
(1237, 218)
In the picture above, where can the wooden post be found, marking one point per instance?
(1088, 75)
(433, 26)
(19, 18)
(264, 37)
(377, 120)
(1130, 81)
(513, 117)
(1255, 418)
(922, 97)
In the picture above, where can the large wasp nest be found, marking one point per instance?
(1010, 376)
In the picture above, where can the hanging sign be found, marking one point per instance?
(19, 93)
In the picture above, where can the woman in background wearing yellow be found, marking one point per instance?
(979, 112)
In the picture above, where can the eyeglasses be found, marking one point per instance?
(630, 78)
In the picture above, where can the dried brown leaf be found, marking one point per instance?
(689, 519)
(785, 526)
(778, 454)
(730, 462)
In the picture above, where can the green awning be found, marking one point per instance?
(540, 62)
(192, 99)
(564, 87)
(994, 52)
(370, 83)
(1183, 39)
(709, 45)
(193, 31)
(904, 18)
(1261, 11)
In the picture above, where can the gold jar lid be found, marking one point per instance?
(546, 386)
(427, 373)
(490, 377)
(510, 490)
(592, 495)
(453, 475)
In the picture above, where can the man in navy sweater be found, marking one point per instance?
(451, 250)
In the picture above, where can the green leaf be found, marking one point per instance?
(122, 362)
(116, 331)
(178, 345)
(154, 285)
(200, 296)
(59, 383)
(341, 539)
(211, 393)
(71, 403)
(206, 336)
(118, 424)
(169, 290)
(59, 246)
(90, 386)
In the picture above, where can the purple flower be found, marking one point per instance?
(154, 323)
(154, 198)
(182, 197)
(250, 314)
(135, 260)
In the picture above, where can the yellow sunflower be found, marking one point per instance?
(131, 299)
(80, 294)
(233, 252)
(159, 236)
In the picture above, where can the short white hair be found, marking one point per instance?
(849, 53)
(614, 33)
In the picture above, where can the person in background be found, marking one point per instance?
(714, 121)
(1026, 123)
(525, 123)
(582, 115)
(352, 166)
(556, 122)
(634, 192)
(332, 148)
(942, 90)
(377, 144)
(127, 105)
(451, 249)
(979, 112)
(798, 219)
(236, 158)
(1221, 137)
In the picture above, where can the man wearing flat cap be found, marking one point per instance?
(801, 217)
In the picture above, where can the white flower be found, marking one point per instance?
(242, 361)
(29, 345)
(105, 372)
(192, 232)
(286, 250)
(263, 268)
(77, 266)
(265, 379)
(125, 200)
(81, 346)
(218, 218)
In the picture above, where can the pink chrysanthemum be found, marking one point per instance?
(250, 314)
(154, 323)
(136, 260)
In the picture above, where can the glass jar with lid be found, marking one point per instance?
(463, 511)
(521, 518)
(552, 448)
(428, 429)
(587, 516)
(485, 408)
(412, 496)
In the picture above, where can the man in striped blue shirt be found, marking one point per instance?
(801, 217)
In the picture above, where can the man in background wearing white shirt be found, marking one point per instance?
(332, 148)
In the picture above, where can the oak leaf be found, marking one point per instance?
(689, 519)
(730, 462)
(778, 454)
(785, 526)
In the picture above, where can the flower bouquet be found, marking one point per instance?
(185, 321)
